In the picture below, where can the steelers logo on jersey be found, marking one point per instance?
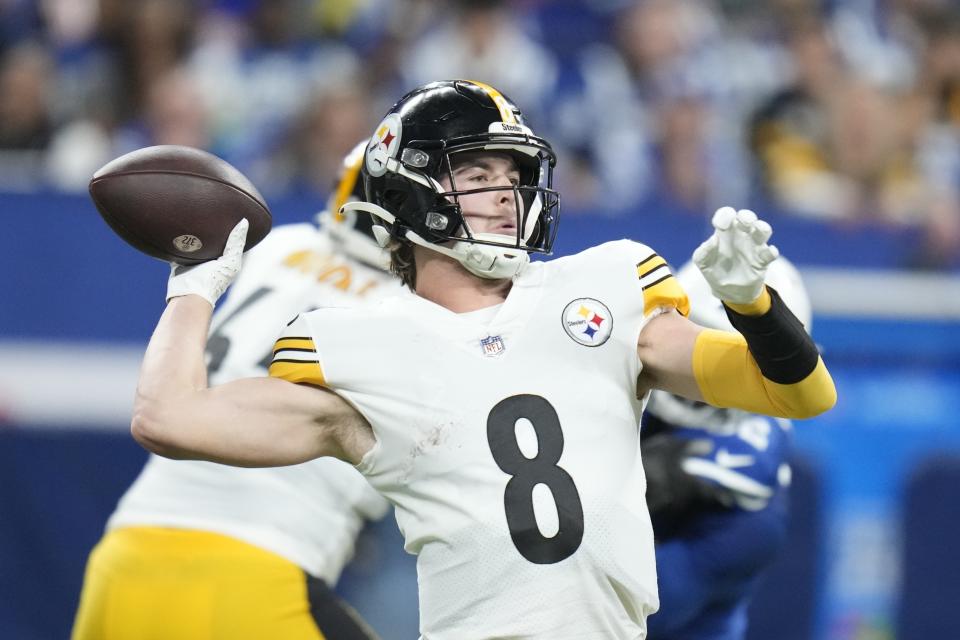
(588, 321)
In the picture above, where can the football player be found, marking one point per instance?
(473, 406)
(716, 488)
(203, 550)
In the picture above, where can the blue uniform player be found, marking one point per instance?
(717, 484)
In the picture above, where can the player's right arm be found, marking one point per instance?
(250, 422)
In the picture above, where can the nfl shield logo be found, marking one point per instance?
(492, 345)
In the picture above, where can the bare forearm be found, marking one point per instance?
(252, 422)
(172, 371)
(249, 422)
(174, 361)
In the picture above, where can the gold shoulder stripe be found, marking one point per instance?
(298, 372)
(294, 344)
(665, 292)
(649, 265)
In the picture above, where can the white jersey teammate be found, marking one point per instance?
(308, 514)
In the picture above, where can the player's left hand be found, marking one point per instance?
(210, 279)
(734, 259)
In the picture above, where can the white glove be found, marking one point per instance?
(734, 259)
(210, 279)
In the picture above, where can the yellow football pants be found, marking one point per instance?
(149, 583)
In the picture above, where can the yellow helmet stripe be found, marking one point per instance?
(351, 172)
(506, 113)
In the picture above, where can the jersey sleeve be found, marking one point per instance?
(661, 291)
(295, 356)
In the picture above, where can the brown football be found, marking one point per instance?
(177, 203)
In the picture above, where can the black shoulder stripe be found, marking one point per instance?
(651, 270)
(645, 261)
(656, 282)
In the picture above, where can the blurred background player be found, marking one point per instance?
(717, 481)
(203, 550)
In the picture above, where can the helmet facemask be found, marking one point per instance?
(436, 217)
(531, 227)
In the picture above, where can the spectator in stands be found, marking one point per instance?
(19, 22)
(26, 125)
(257, 69)
(484, 40)
(327, 127)
(26, 76)
(174, 113)
(640, 121)
(150, 38)
(833, 145)
(937, 101)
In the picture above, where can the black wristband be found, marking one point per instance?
(783, 349)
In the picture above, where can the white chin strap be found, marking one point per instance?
(483, 260)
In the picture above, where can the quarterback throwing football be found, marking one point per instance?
(497, 408)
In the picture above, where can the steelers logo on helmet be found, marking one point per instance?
(588, 321)
(384, 144)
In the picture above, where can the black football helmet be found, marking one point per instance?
(411, 151)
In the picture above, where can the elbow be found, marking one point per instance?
(814, 395)
(149, 429)
(143, 431)
(815, 405)
(826, 402)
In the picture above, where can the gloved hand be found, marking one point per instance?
(734, 259)
(210, 279)
(675, 495)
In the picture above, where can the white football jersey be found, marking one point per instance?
(509, 444)
(308, 513)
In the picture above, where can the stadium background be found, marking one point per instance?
(837, 121)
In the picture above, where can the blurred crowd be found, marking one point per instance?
(842, 110)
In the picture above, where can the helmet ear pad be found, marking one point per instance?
(410, 201)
